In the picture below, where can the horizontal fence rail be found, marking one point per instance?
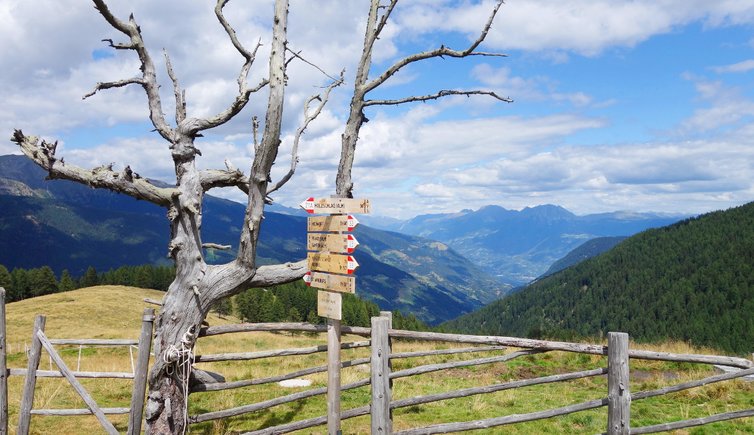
(40, 341)
(528, 347)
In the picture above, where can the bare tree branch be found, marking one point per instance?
(443, 93)
(125, 182)
(116, 84)
(149, 76)
(439, 52)
(212, 178)
(255, 131)
(244, 92)
(383, 20)
(297, 55)
(180, 96)
(308, 118)
(278, 274)
(119, 46)
(217, 246)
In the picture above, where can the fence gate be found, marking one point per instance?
(40, 340)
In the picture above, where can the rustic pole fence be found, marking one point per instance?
(380, 376)
(3, 369)
(618, 393)
(140, 373)
(27, 399)
(616, 401)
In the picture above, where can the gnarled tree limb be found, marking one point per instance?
(116, 84)
(125, 182)
(308, 118)
(443, 93)
(438, 52)
(244, 92)
(149, 77)
(180, 96)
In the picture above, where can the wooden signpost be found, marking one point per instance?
(330, 268)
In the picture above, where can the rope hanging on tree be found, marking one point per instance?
(183, 359)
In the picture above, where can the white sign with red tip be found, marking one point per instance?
(338, 223)
(336, 205)
(334, 263)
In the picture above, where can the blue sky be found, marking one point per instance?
(619, 105)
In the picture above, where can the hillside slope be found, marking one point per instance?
(585, 251)
(116, 309)
(692, 281)
(519, 246)
(65, 225)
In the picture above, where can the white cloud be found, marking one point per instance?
(739, 67)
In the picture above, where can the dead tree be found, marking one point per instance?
(197, 284)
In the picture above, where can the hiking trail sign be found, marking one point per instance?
(329, 244)
(336, 205)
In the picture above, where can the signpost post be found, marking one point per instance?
(330, 269)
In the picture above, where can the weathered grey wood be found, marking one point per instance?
(618, 391)
(508, 419)
(380, 375)
(90, 403)
(333, 376)
(232, 412)
(243, 356)
(153, 301)
(27, 399)
(691, 384)
(692, 358)
(218, 386)
(312, 422)
(466, 392)
(70, 412)
(693, 422)
(93, 341)
(413, 371)
(502, 341)
(3, 369)
(58, 374)
(140, 373)
(569, 347)
(400, 355)
(280, 327)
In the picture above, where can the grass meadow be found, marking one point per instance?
(115, 312)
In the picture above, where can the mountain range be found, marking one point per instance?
(66, 225)
(519, 246)
(690, 281)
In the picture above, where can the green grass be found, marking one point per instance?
(68, 314)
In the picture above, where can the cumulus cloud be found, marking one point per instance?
(738, 67)
(418, 158)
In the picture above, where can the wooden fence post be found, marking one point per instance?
(619, 394)
(27, 400)
(140, 374)
(333, 377)
(3, 369)
(380, 376)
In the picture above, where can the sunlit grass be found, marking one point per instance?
(67, 315)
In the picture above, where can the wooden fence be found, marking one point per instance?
(40, 341)
(380, 339)
(618, 398)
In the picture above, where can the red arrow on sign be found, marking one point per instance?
(352, 222)
(352, 264)
(352, 244)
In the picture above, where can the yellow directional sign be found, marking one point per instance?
(342, 223)
(326, 281)
(345, 243)
(335, 205)
(335, 263)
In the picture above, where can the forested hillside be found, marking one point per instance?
(693, 281)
